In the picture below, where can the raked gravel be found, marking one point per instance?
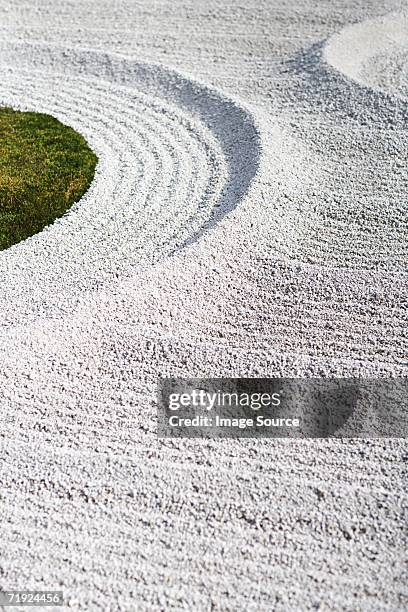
(247, 218)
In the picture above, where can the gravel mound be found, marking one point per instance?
(373, 53)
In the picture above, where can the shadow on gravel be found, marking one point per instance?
(231, 124)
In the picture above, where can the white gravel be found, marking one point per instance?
(248, 218)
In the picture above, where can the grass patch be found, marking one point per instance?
(45, 167)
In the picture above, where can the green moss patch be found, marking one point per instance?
(45, 167)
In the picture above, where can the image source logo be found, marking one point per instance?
(282, 407)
